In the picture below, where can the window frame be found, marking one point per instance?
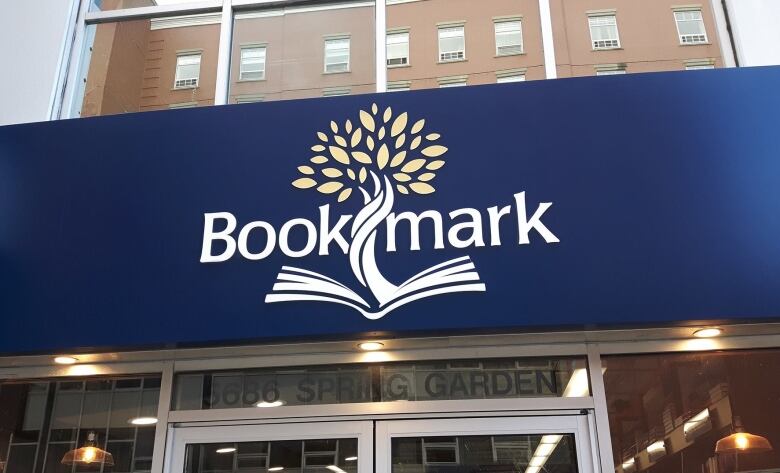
(599, 16)
(246, 47)
(461, 53)
(506, 20)
(176, 78)
(331, 39)
(407, 57)
(681, 37)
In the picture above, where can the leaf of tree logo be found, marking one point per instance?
(380, 146)
(380, 156)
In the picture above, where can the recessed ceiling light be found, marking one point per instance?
(276, 468)
(143, 421)
(708, 332)
(226, 450)
(66, 360)
(350, 459)
(371, 346)
(270, 404)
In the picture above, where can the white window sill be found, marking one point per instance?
(399, 66)
(453, 60)
(706, 43)
(509, 55)
(251, 80)
(328, 73)
(189, 87)
(607, 49)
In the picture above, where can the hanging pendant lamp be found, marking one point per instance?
(88, 454)
(742, 442)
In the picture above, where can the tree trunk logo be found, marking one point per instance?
(376, 160)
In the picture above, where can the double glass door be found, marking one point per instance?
(549, 444)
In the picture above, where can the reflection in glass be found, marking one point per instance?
(316, 50)
(452, 43)
(149, 64)
(107, 5)
(480, 453)
(385, 382)
(702, 412)
(290, 456)
(85, 419)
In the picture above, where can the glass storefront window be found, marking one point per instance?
(291, 456)
(41, 422)
(552, 453)
(290, 50)
(696, 412)
(413, 381)
(149, 64)
(303, 51)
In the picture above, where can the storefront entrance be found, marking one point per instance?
(560, 443)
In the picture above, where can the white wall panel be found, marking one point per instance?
(756, 28)
(32, 35)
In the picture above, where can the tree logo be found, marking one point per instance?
(376, 160)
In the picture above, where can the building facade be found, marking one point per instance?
(304, 51)
(622, 317)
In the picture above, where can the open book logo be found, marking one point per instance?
(381, 157)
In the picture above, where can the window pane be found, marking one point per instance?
(668, 412)
(301, 44)
(509, 37)
(73, 410)
(150, 64)
(252, 63)
(107, 5)
(550, 453)
(289, 456)
(454, 43)
(415, 381)
(397, 49)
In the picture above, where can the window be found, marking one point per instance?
(696, 67)
(510, 75)
(610, 72)
(452, 82)
(399, 86)
(293, 53)
(690, 27)
(509, 37)
(336, 91)
(610, 69)
(604, 32)
(337, 55)
(440, 451)
(52, 418)
(512, 78)
(521, 453)
(179, 105)
(383, 382)
(667, 412)
(252, 63)
(452, 43)
(249, 98)
(398, 49)
(146, 64)
(187, 71)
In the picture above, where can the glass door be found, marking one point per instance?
(323, 447)
(549, 444)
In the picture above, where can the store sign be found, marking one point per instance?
(384, 383)
(381, 156)
(594, 202)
